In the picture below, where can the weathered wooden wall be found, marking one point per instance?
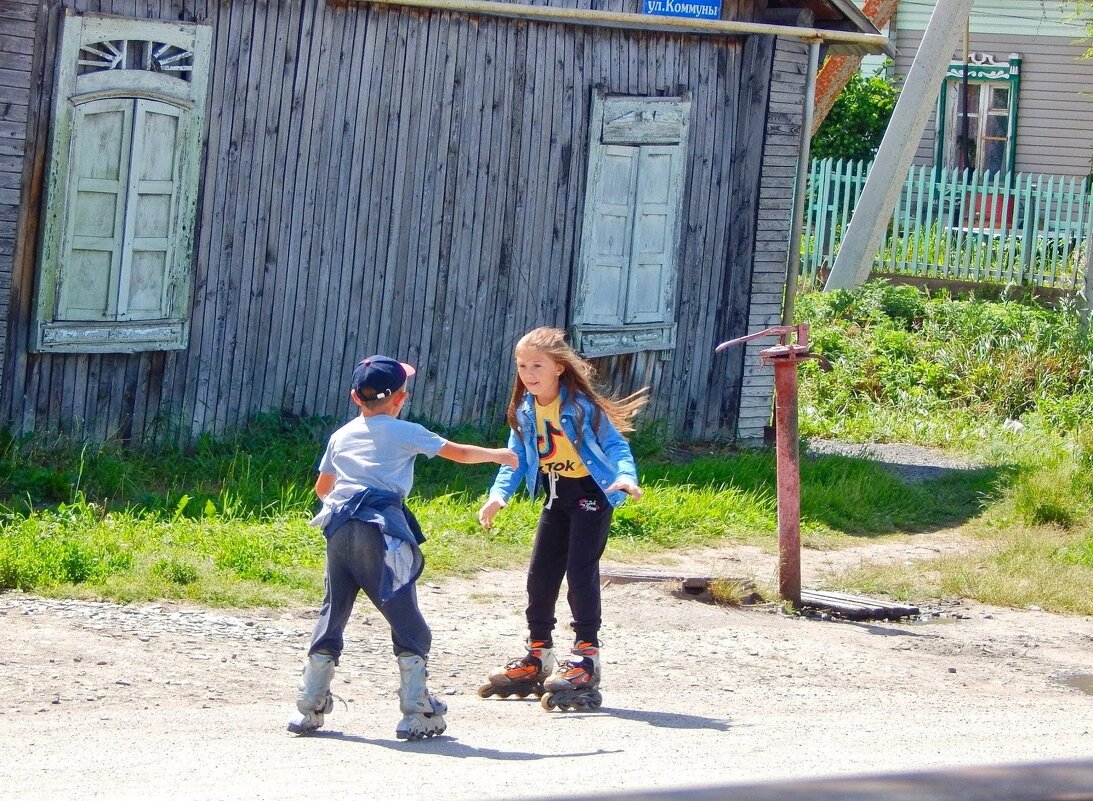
(16, 51)
(412, 183)
(768, 279)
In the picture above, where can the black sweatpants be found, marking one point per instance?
(569, 542)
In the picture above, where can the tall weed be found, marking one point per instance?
(937, 370)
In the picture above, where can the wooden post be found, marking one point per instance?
(897, 149)
(1087, 262)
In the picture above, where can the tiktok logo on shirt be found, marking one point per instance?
(548, 449)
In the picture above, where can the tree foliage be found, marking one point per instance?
(1081, 11)
(854, 127)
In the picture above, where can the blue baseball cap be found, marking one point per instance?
(379, 377)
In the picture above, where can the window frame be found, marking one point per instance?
(92, 69)
(984, 71)
(646, 128)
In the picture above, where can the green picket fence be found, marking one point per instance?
(1018, 228)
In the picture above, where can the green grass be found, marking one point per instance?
(954, 372)
(909, 367)
(224, 522)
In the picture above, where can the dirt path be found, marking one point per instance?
(100, 701)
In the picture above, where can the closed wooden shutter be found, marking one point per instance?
(149, 232)
(102, 132)
(612, 222)
(656, 213)
(626, 286)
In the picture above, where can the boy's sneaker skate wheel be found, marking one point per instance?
(305, 723)
(418, 726)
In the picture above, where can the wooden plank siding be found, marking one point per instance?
(768, 279)
(17, 19)
(1000, 17)
(388, 180)
(1054, 106)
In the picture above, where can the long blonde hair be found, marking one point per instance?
(578, 377)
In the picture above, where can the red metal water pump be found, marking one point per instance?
(785, 357)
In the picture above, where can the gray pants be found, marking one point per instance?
(354, 562)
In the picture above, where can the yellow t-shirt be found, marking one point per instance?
(556, 453)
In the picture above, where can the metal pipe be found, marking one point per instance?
(785, 357)
(797, 223)
(642, 22)
(787, 451)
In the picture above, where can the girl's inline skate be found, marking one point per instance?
(523, 676)
(576, 683)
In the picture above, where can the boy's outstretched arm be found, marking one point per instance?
(323, 484)
(472, 454)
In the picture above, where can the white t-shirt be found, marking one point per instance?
(376, 452)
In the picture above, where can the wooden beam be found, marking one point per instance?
(637, 22)
(897, 149)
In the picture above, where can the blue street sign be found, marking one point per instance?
(698, 9)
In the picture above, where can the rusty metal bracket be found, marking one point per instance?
(785, 356)
(797, 351)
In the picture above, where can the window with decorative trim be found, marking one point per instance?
(977, 127)
(625, 302)
(121, 198)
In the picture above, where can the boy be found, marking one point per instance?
(373, 542)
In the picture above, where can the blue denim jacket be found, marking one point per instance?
(604, 451)
(401, 532)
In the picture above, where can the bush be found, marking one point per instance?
(855, 125)
(54, 547)
(920, 368)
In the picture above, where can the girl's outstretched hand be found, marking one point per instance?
(627, 485)
(488, 512)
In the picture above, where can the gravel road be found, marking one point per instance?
(99, 701)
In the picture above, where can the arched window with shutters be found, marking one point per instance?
(121, 199)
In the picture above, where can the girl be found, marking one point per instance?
(567, 437)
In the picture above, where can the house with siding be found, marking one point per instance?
(1029, 89)
(214, 209)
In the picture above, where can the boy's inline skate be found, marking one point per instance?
(314, 699)
(422, 712)
(523, 676)
(576, 683)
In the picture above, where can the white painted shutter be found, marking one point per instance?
(144, 284)
(93, 237)
(613, 221)
(626, 277)
(655, 219)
